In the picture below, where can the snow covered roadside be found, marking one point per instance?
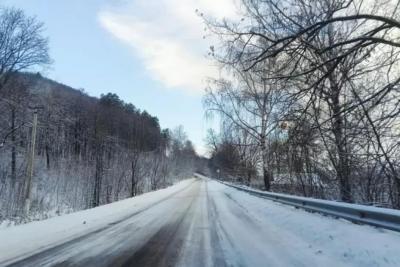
(27, 239)
(296, 237)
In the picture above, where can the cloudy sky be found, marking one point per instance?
(151, 53)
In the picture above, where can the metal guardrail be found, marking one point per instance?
(380, 217)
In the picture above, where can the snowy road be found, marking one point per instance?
(204, 223)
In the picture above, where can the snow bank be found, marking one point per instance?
(295, 237)
(24, 240)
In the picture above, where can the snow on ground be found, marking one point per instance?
(6, 223)
(30, 238)
(299, 238)
(200, 223)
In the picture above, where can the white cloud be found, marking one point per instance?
(167, 36)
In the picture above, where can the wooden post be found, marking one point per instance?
(28, 182)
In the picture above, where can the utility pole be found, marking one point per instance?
(28, 182)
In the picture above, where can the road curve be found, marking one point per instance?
(209, 224)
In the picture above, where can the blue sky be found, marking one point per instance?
(151, 53)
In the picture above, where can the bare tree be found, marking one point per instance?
(253, 104)
(22, 44)
(327, 53)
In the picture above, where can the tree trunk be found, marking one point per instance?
(133, 179)
(47, 149)
(342, 166)
(266, 172)
(99, 163)
(98, 176)
(248, 181)
(13, 150)
(396, 203)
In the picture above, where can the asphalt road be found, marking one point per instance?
(174, 232)
(209, 224)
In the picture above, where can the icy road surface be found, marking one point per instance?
(197, 222)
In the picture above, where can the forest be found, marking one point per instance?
(89, 151)
(309, 100)
(62, 150)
